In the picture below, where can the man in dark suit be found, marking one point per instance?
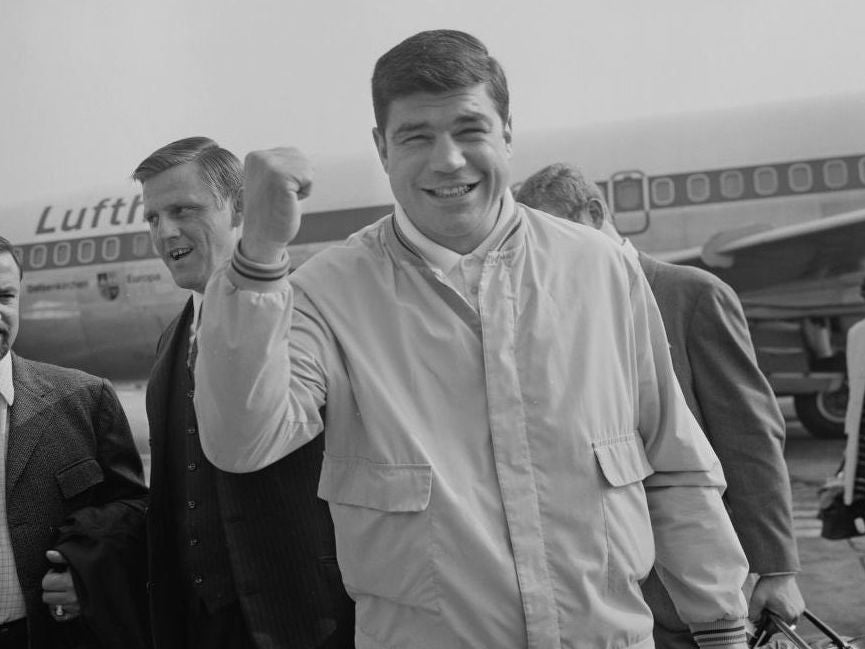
(73, 505)
(717, 370)
(236, 560)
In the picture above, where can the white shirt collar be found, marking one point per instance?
(197, 299)
(7, 388)
(630, 250)
(444, 259)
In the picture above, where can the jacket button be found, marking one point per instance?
(192, 466)
(191, 504)
(190, 393)
(197, 580)
(194, 541)
(191, 430)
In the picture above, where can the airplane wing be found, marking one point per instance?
(808, 268)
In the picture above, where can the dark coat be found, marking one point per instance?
(279, 535)
(716, 367)
(74, 482)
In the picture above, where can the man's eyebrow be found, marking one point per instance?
(472, 118)
(410, 127)
(173, 206)
(467, 118)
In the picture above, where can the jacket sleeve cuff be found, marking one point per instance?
(246, 274)
(723, 633)
(254, 270)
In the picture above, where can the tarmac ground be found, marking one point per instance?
(832, 580)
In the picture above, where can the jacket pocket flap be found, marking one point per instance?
(623, 460)
(385, 487)
(79, 477)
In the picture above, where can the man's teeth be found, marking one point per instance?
(451, 192)
(177, 253)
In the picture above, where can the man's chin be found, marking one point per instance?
(184, 280)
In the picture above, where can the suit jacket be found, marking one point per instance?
(714, 361)
(279, 535)
(74, 481)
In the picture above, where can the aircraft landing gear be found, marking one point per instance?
(822, 413)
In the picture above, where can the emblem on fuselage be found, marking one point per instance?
(109, 288)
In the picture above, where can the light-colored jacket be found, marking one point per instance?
(853, 420)
(485, 469)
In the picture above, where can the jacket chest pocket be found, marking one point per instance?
(76, 478)
(383, 527)
(630, 542)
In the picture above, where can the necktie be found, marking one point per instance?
(192, 355)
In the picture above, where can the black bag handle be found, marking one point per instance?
(787, 630)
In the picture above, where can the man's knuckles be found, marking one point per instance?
(56, 580)
(286, 166)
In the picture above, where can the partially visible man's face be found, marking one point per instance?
(10, 291)
(190, 231)
(447, 158)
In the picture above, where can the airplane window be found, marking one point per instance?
(663, 191)
(110, 248)
(800, 177)
(38, 256)
(766, 181)
(141, 244)
(62, 253)
(835, 174)
(698, 188)
(86, 251)
(732, 184)
(629, 195)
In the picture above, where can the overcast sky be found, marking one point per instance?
(90, 87)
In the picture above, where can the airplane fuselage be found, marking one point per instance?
(96, 297)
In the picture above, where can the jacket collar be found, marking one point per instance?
(418, 249)
(28, 417)
(172, 340)
(649, 266)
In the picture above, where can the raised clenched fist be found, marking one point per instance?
(275, 181)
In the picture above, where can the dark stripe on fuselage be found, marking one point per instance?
(628, 193)
(333, 225)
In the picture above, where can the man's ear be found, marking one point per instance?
(508, 135)
(596, 213)
(237, 210)
(381, 146)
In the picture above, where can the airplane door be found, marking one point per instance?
(628, 199)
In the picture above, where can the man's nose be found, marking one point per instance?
(166, 228)
(447, 155)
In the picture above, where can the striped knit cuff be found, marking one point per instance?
(256, 271)
(724, 633)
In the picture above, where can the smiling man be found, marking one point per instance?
(505, 436)
(235, 561)
(447, 158)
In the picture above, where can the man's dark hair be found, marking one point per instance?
(220, 169)
(560, 189)
(6, 246)
(436, 61)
